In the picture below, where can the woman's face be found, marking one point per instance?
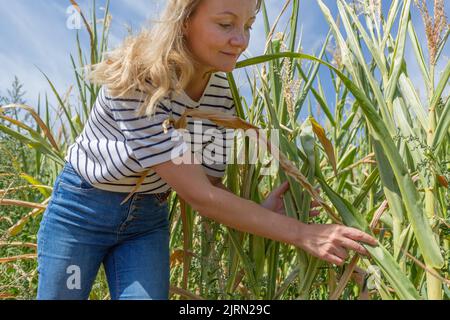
(219, 31)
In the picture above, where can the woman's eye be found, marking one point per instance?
(225, 26)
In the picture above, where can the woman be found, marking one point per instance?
(177, 66)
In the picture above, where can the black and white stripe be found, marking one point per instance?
(116, 145)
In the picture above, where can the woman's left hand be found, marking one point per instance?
(274, 201)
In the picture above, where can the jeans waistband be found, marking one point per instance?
(161, 197)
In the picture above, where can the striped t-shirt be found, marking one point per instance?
(116, 146)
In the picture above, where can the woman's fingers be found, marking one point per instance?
(315, 204)
(282, 188)
(355, 246)
(331, 242)
(357, 235)
(331, 258)
(314, 213)
(340, 252)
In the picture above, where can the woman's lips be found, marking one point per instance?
(231, 54)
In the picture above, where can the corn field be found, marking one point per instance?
(377, 158)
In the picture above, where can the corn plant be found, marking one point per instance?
(411, 164)
(376, 159)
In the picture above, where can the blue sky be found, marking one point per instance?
(33, 34)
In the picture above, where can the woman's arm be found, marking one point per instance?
(328, 242)
(274, 200)
(217, 182)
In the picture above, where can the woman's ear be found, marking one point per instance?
(185, 27)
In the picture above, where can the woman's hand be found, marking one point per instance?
(330, 242)
(274, 201)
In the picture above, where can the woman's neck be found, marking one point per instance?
(197, 86)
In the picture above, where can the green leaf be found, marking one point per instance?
(410, 196)
(399, 52)
(442, 127)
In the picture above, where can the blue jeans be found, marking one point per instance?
(83, 227)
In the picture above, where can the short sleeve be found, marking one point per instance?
(145, 135)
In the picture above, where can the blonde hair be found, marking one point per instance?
(155, 61)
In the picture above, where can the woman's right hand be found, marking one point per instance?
(331, 242)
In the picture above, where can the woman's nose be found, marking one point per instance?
(240, 39)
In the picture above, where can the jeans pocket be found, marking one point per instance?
(79, 187)
(71, 180)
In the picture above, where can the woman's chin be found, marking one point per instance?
(227, 68)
